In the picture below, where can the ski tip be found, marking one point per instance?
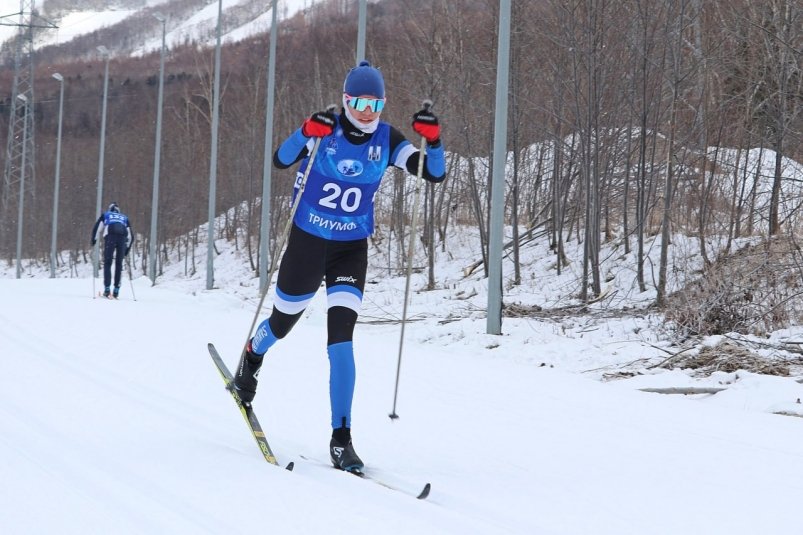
(425, 492)
(290, 466)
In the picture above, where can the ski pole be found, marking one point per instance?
(95, 267)
(285, 233)
(131, 278)
(427, 104)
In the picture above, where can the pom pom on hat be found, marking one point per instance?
(364, 80)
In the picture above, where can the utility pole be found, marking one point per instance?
(104, 52)
(210, 241)
(264, 240)
(56, 180)
(496, 237)
(361, 21)
(157, 156)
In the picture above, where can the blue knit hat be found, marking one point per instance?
(364, 80)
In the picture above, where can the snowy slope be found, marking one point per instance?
(197, 25)
(114, 417)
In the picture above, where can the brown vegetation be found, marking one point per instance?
(613, 109)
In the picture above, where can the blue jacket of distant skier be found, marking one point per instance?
(115, 226)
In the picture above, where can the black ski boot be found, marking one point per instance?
(106, 292)
(247, 375)
(116, 292)
(342, 451)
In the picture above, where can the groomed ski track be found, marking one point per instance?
(113, 421)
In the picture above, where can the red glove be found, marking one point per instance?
(320, 124)
(426, 125)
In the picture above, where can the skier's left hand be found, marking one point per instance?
(426, 125)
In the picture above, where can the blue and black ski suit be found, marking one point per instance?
(328, 240)
(117, 240)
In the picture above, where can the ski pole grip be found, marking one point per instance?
(426, 104)
(331, 108)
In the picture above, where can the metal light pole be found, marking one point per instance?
(54, 231)
(157, 157)
(361, 31)
(496, 235)
(20, 211)
(264, 244)
(210, 258)
(98, 205)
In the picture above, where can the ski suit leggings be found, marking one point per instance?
(113, 247)
(342, 265)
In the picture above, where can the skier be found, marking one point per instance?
(117, 240)
(328, 239)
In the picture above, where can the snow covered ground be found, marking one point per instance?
(114, 419)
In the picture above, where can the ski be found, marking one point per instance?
(246, 410)
(420, 495)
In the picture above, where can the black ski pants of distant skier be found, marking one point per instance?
(113, 248)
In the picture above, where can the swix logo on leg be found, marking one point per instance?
(348, 279)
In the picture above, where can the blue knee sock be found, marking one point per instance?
(342, 374)
(263, 338)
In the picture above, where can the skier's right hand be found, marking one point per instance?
(320, 124)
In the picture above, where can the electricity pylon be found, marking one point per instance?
(20, 152)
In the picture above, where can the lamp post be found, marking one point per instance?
(54, 232)
(20, 210)
(264, 244)
(98, 205)
(210, 242)
(361, 31)
(157, 157)
(496, 232)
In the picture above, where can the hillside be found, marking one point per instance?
(129, 28)
(604, 133)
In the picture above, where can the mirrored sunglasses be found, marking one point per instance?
(363, 103)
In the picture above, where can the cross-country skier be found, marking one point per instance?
(117, 240)
(328, 238)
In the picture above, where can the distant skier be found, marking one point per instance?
(328, 240)
(117, 240)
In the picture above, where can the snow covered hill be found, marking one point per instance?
(115, 421)
(187, 20)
